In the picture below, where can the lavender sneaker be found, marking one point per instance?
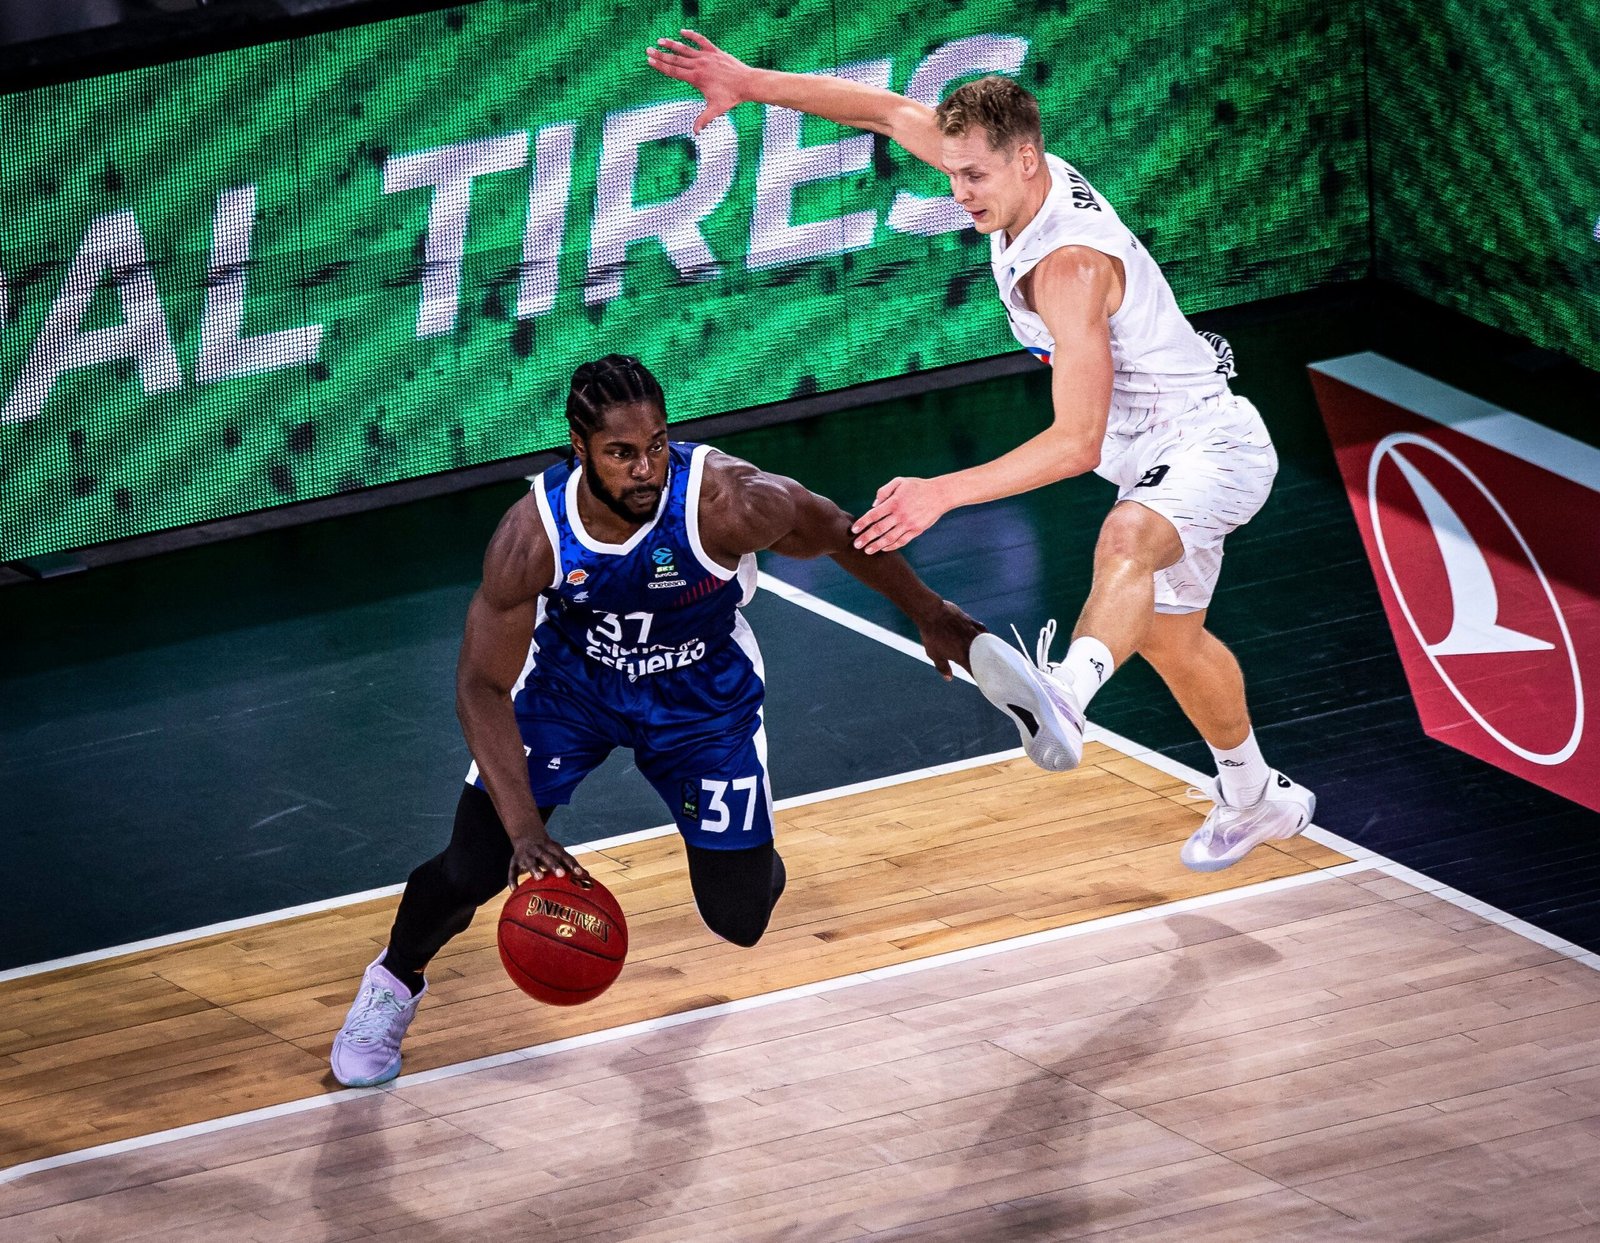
(366, 1051)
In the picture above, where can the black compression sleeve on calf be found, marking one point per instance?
(736, 890)
(442, 894)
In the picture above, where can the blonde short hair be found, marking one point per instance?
(1004, 111)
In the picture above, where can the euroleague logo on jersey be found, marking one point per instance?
(666, 563)
(1475, 597)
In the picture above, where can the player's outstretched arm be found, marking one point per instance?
(500, 619)
(1074, 290)
(744, 509)
(725, 81)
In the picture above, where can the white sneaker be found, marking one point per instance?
(1229, 833)
(1041, 706)
(366, 1051)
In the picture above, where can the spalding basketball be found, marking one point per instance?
(562, 940)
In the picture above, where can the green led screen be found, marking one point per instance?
(289, 271)
(1486, 139)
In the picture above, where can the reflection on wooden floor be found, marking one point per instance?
(180, 1035)
(1346, 1059)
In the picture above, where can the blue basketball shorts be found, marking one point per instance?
(710, 771)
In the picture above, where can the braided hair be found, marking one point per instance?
(615, 380)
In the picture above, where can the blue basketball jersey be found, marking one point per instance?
(654, 607)
(641, 645)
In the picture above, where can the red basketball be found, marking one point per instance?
(562, 940)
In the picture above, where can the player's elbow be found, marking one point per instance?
(474, 694)
(911, 125)
(1076, 455)
(1073, 446)
(1080, 461)
(896, 117)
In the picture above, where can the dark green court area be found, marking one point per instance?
(243, 726)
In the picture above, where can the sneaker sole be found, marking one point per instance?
(1233, 856)
(1010, 683)
(392, 1071)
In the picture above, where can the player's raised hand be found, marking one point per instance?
(718, 75)
(903, 510)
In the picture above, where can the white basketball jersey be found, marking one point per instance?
(1163, 366)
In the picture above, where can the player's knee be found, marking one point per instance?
(743, 928)
(1174, 638)
(743, 923)
(1117, 564)
(478, 887)
(1135, 540)
(454, 884)
(1122, 554)
(735, 890)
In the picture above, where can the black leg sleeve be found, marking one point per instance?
(736, 890)
(443, 894)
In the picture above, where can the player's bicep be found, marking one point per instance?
(818, 528)
(1082, 351)
(1073, 289)
(500, 619)
(495, 644)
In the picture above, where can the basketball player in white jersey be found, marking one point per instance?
(1140, 398)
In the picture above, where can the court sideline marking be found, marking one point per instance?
(389, 891)
(1361, 858)
(647, 1026)
(1162, 763)
(777, 587)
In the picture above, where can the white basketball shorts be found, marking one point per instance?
(1207, 472)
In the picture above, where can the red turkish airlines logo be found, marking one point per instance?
(1459, 602)
(1483, 530)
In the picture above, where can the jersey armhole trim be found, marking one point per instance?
(541, 496)
(691, 515)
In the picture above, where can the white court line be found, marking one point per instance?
(630, 1030)
(583, 848)
(777, 587)
(1484, 422)
(1362, 859)
(1155, 759)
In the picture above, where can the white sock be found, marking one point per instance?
(1242, 771)
(1086, 667)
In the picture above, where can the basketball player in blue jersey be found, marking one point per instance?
(609, 617)
(1140, 398)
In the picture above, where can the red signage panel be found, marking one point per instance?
(1483, 530)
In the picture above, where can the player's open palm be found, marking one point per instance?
(716, 74)
(903, 510)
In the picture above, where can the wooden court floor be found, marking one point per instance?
(1344, 1058)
